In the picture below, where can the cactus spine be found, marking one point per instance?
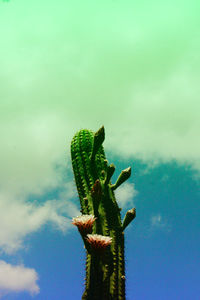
(105, 269)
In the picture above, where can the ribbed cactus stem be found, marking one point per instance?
(103, 234)
(99, 137)
(121, 271)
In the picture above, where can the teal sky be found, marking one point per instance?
(134, 68)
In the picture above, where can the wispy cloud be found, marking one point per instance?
(157, 222)
(17, 278)
(125, 195)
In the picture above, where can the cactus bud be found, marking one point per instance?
(96, 190)
(110, 172)
(130, 215)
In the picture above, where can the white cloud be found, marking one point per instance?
(32, 164)
(151, 106)
(17, 279)
(20, 218)
(31, 149)
(125, 195)
(161, 121)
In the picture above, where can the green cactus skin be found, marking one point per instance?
(105, 273)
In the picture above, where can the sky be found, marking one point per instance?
(134, 67)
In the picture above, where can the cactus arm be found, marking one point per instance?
(130, 215)
(109, 174)
(124, 175)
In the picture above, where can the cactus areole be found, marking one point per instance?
(100, 222)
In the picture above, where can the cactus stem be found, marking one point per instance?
(100, 225)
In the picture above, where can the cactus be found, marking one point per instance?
(100, 224)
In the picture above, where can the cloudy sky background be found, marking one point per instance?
(134, 68)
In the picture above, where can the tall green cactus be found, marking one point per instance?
(100, 224)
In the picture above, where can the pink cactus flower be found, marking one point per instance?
(84, 223)
(99, 242)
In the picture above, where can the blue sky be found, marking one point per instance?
(134, 68)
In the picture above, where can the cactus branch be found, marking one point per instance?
(110, 172)
(124, 175)
(130, 215)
